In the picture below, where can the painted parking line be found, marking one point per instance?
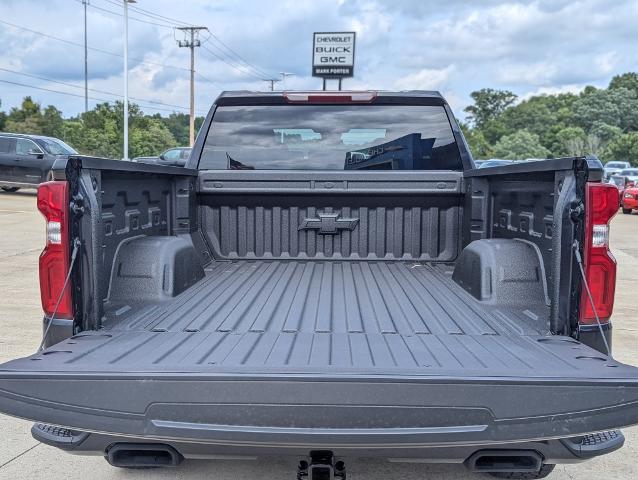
(15, 211)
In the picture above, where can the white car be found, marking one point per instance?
(631, 175)
(614, 168)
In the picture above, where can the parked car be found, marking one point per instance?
(495, 162)
(26, 160)
(618, 181)
(625, 179)
(629, 201)
(175, 157)
(294, 307)
(613, 168)
(630, 174)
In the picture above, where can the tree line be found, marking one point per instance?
(597, 121)
(99, 131)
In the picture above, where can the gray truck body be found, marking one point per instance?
(409, 314)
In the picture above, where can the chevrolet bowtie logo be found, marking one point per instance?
(329, 224)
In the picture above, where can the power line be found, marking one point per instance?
(51, 90)
(150, 14)
(106, 52)
(246, 70)
(239, 68)
(111, 12)
(261, 72)
(103, 92)
(70, 94)
(235, 59)
(208, 80)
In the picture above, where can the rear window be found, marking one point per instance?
(7, 145)
(616, 165)
(618, 181)
(630, 172)
(330, 137)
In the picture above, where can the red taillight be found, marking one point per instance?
(600, 264)
(330, 97)
(53, 203)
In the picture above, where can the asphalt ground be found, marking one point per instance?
(21, 457)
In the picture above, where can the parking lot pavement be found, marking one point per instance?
(21, 457)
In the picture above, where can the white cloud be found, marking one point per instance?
(574, 88)
(425, 79)
(535, 74)
(455, 46)
(607, 62)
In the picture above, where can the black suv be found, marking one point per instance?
(25, 160)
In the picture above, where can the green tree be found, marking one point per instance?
(573, 140)
(52, 122)
(25, 119)
(617, 107)
(3, 119)
(627, 80)
(623, 147)
(544, 115)
(520, 145)
(605, 132)
(27, 109)
(151, 140)
(479, 147)
(178, 125)
(488, 105)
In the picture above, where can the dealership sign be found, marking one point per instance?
(333, 54)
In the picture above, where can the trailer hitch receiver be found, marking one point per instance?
(321, 465)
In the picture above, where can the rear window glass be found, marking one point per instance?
(7, 145)
(330, 137)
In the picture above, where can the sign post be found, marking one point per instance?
(333, 55)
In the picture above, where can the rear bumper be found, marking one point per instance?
(570, 450)
(353, 414)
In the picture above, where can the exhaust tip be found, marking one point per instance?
(136, 455)
(506, 461)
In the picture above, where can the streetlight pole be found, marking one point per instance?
(126, 2)
(86, 64)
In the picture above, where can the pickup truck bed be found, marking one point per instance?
(291, 316)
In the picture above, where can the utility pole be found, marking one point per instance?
(126, 2)
(86, 64)
(272, 82)
(191, 41)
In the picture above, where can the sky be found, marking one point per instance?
(454, 46)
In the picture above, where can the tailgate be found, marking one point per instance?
(327, 407)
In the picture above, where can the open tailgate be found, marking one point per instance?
(325, 406)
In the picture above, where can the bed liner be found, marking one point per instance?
(325, 318)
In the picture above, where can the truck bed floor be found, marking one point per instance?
(324, 317)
